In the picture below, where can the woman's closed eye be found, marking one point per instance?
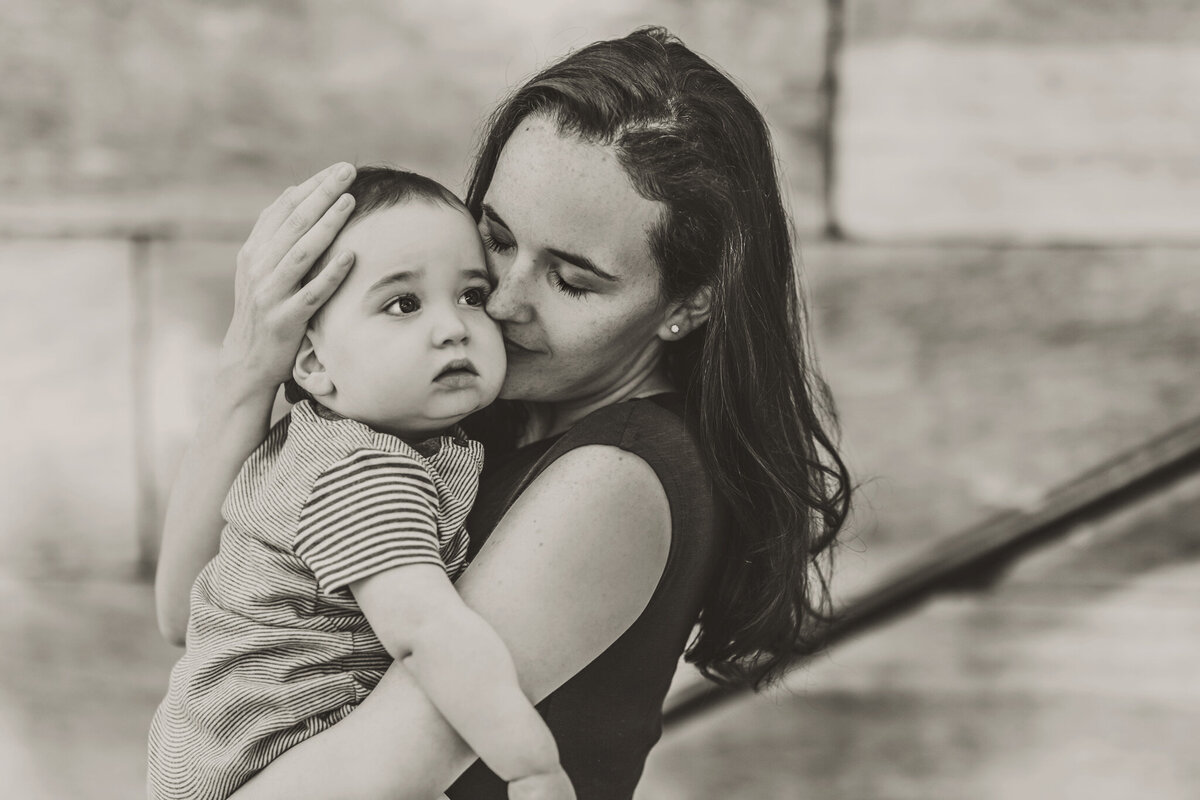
(496, 244)
(500, 243)
(495, 235)
(403, 305)
(568, 289)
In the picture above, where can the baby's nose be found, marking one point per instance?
(450, 329)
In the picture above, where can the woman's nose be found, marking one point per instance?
(509, 299)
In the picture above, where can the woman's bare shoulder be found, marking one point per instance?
(573, 562)
(602, 510)
(602, 488)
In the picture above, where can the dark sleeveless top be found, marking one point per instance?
(606, 718)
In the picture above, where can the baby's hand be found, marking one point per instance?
(543, 786)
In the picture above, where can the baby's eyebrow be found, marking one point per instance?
(405, 276)
(474, 273)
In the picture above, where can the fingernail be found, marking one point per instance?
(344, 172)
(343, 258)
(344, 201)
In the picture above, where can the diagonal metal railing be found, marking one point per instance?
(976, 557)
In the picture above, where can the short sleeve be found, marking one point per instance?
(371, 511)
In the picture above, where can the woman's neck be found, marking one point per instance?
(550, 419)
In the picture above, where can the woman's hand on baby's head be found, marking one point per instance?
(272, 305)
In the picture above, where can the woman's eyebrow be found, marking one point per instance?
(583, 262)
(490, 212)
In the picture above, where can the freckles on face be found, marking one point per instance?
(578, 290)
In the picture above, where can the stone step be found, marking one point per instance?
(1074, 678)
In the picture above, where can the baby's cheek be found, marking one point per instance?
(497, 359)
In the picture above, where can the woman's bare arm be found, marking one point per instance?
(271, 312)
(567, 570)
(228, 432)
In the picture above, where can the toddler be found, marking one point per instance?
(345, 527)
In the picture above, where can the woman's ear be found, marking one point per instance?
(687, 315)
(309, 372)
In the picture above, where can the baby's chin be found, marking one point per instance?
(426, 427)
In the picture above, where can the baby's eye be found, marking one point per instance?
(404, 304)
(476, 295)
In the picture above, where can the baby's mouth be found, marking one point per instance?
(459, 366)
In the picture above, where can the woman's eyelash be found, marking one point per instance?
(493, 244)
(497, 246)
(566, 288)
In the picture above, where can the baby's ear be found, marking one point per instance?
(309, 372)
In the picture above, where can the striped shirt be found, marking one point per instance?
(277, 648)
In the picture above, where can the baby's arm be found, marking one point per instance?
(370, 525)
(467, 672)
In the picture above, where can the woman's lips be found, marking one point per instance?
(514, 349)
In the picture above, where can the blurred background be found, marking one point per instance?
(998, 208)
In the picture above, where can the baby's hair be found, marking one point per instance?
(380, 187)
(374, 189)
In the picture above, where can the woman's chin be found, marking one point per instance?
(520, 386)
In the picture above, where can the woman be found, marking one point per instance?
(659, 453)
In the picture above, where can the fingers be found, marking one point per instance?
(309, 205)
(296, 263)
(287, 201)
(274, 214)
(313, 294)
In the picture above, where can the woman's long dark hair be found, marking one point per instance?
(689, 138)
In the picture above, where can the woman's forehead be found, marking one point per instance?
(558, 191)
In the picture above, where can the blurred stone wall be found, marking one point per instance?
(122, 101)
(1013, 296)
